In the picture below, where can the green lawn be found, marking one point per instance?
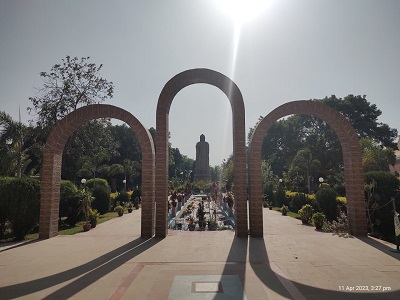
(79, 226)
(290, 213)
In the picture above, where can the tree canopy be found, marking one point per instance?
(69, 85)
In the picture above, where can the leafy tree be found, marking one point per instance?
(94, 137)
(69, 85)
(91, 163)
(364, 117)
(289, 135)
(374, 158)
(227, 173)
(304, 163)
(13, 151)
(380, 188)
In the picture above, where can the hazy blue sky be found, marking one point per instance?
(294, 50)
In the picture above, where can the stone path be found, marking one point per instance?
(293, 261)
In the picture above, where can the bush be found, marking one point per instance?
(4, 209)
(297, 201)
(68, 199)
(381, 209)
(306, 213)
(280, 197)
(326, 200)
(284, 210)
(23, 197)
(123, 198)
(339, 227)
(91, 183)
(102, 199)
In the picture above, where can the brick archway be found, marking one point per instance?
(171, 88)
(351, 156)
(52, 158)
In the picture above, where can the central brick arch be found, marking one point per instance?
(230, 89)
(52, 159)
(351, 156)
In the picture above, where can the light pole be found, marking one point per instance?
(321, 180)
(83, 181)
(124, 181)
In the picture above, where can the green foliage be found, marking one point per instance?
(4, 206)
(23, 198)
(284, 210)
(91, 183)
(298, 200)
(123, 198)
(380, 209)
(101, 200)
(374, 158)
(73, 83)
(86, 199)
(306, 213)
(268, 191)
(280, 197)
(318, 217)
(119, 209)
(69, 202)
(326, 200)
(287, 136)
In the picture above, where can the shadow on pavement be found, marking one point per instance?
(273, 279)
(381, 246)
(93, 270)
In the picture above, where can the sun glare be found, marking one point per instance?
(242, 11)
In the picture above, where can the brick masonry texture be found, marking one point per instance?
(351, 155)
(52, 159)
(155, 165)
(234, 95)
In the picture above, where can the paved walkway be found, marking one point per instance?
(293, 261)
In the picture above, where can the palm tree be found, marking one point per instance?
(13, 155)
(304, 163)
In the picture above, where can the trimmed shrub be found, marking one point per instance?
(123, 198)
(101, 201)
(326, 200)
(297, 201)
(68, 198)
(91, 183)
(306, 213)
(23, 196)
(4, 209)
(280, 197)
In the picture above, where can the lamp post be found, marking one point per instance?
(321, 180)
(124, 181)
(83, 181)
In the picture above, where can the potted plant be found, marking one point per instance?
(306, 213)
(265, 204)
(284, 210)
(85, 206)
(93, 217)
(318, 218)
(130, 207)
(120, 210)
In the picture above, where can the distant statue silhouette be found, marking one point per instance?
(202, 169)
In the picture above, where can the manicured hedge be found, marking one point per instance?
(20, 198)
